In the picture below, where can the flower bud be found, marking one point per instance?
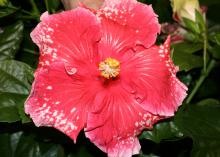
(184, 8)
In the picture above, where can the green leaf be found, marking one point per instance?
(14, 139)
(187, 47)
(217, 38)
(54, 151)
(24, 118)
(215, 51)
(5, 11)
(202, 124)
(166, 130)
(15, 78)
(10, 40)
(9, 114)
(52, 5)
(8, 143)
(28, 52)
(28, 146)
(20, 144)
(187, 61)
(208, 102)
(191, 25)
(200, 21)
(5, 147)
(192, 37)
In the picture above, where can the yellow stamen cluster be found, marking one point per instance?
(109, 68)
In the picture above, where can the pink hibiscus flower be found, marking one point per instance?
(99, 71)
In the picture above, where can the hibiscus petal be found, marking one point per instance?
(122, 148)
(70, 36)
(61, 100)
(115, 125)
(125, 24)
(157, 87)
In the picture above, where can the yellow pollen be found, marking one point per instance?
(109, 68)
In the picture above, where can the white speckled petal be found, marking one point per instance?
(69, 36)
(157, 87)
(126, 23)
(114, 126)
(61, 100)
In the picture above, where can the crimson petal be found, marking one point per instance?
(114, 126)
(69, 36)
(61, 100)
(120, 29)
(157, 87)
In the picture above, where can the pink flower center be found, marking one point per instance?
(109, 68)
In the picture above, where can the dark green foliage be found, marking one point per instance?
(201, 122)
(10, 40)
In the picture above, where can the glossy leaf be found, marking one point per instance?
(28, 146)
(15, 79)
(10, 39)
(187, 47)
(8, 143)
(202, 124)
(187, 61)
(33, 142)
(20, 144)
(28, 52)
(166, 130)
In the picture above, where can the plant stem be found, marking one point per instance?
(201, 80)
(204, 52)
(205, 42)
